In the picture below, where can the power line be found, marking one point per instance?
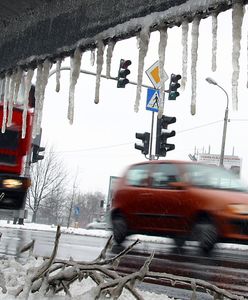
(126, 144)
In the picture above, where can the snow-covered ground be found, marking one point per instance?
(15, 273)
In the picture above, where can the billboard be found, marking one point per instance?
(230, 162)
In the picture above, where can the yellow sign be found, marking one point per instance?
(153, 75)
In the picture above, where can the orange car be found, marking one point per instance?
(183, 200)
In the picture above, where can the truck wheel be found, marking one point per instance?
(119, 229)
(206, 234)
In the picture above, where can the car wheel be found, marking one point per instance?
(179, 241)
(206, 234)
(119, 229)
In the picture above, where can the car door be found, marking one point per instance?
(138, 197)
(169, 203)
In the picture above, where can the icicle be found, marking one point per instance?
(74, 74)
(11, 97)
(99, 62)
(144, 42)
(5, 102)
(28, 83)
(37, 95)
(19, 76)
(214, 40)
(58, 66)
(110, 50)
(247, 59)
(194, 55)
(161, 55)
(92, 57)
(45, 76)
(185, 30)
(237, 19)
(1, 88)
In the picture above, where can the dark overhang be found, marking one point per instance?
(32, 30)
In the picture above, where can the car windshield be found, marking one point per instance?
(214, 177)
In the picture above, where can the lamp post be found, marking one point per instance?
(222, 153)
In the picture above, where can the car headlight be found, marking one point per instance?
(240, 209)
(12, 183)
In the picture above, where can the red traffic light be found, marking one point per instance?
(124, 64)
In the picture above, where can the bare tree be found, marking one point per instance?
(48, 178)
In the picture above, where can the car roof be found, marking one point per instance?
(165, 161)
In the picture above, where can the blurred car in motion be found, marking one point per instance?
(181, 200)
(98, 224)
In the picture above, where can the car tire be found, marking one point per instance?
(205, 233)
(179, 241)
(119, 229)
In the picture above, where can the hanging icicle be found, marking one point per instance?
(237, 19)
(161, 55)
(110, 50)
(5, 102)
(144, 37)
(184, 41)
(92, 57)
(194, 56)
(28, 83)
(99, 64)
(19, 76)
(214, 40)
(37, 95)
(2, 85)
(74, 74)
(45, 76)
(11, 97)
(58, 73)
(185, 30)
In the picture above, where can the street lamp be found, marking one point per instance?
(212, 81)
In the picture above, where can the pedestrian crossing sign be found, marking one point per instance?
(152, 100)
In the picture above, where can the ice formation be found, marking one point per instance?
(11, 86)
(58, 66)
(144, 38)
(185, 30)
(110, 50)
(214, 41)
(237, 19)
(99, 64)
(74, 74)
(28, 83)
(161, 55)
(194, 56)
(5, 102)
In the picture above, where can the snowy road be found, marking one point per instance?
(225, 268)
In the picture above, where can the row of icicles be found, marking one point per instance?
(11, 84)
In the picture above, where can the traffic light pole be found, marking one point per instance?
(151, 137)
(103, 76)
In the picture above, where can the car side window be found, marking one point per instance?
(138, 175)
(163, 174)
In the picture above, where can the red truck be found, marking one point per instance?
(15, 153)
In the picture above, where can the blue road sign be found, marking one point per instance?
(152, 100)
(76, 210)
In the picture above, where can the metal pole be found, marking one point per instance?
(151, 137)
(103, 76)
(222, 153)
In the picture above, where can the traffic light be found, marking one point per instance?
(162, 147)
(123, 72)
(145, 137)
(36, 153)
(174, 85)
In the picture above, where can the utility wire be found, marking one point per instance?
(126, 144)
